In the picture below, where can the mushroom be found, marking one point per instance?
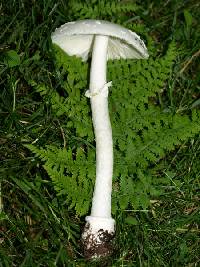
(104, 40)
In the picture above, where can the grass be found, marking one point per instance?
(36, 227)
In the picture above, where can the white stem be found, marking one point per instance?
(100, 227)
(101, 203)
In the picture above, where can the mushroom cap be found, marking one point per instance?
(76, 38)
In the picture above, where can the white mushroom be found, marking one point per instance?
(105, 41)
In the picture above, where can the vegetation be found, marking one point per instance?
(155, 119)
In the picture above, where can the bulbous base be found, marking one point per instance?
(97, 237)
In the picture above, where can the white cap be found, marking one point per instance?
(76, 38)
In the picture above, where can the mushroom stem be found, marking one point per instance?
(99, 229)
(101, 203)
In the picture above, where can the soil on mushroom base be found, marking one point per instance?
(98, 247)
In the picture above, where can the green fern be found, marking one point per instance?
(143, 132)
(100, 9)
(72, 174)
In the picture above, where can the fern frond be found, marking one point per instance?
(71, 173)
(143, 133)
(101, 9)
